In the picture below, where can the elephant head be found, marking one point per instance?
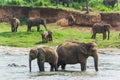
(44, 37)
(32, 55)
(90, 49)
(107, 28)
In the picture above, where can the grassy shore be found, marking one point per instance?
(22, 38)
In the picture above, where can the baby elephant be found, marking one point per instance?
(14, 24)
(71, 20)
(46, 36)
(44, 54)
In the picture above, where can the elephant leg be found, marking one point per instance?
(16, 28)
(52, 66)
(38, 28)
(58, 64)
(63, 66)
(83, 66)
(12, 29)
(29, 28)
(92, 36)
(104, 35)
(41, 66)
(55, 66)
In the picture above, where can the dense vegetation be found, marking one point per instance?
(96, 5)
(22, 38)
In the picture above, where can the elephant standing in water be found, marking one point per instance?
(76, 52)
(46, 36)
(14, 24)
(44, 54)
(35, 22)
(101, 28)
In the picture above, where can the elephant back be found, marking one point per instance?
(51, 55)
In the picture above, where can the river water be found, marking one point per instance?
(109, 67)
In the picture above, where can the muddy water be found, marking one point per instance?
(109, 67)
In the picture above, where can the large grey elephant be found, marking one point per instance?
(76, 52)
(14, 24)
(44, 54)
(101, 28)
(46, 36)
(35, 22)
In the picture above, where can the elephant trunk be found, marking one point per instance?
(30, 64)
(96, 61)
(108, 34)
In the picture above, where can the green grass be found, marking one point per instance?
(22, 38)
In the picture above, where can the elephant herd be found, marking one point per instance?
(15, 22)
(47, 35)
(66, 53)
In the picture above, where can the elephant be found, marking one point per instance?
(101, 28)
(65, 2)
(14, 24)
(110, 2)
(35, 22)
(77, 52)
(46, 36)
(44, 54)
(71, 20)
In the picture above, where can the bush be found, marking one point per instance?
(76, 5)
(15, 2)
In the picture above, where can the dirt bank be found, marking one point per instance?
(53, 15)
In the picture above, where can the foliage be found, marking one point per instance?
(96, 5)
(22, 38)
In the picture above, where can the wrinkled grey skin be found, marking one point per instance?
(76, 52)
(44, 54)
(101, 28)
(46, 36)
(14, 24)
(35, 22)
(71, 20)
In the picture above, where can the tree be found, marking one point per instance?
(87, 10)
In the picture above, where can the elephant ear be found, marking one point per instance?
(83, 48)
(41, 54)
(92, 48)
